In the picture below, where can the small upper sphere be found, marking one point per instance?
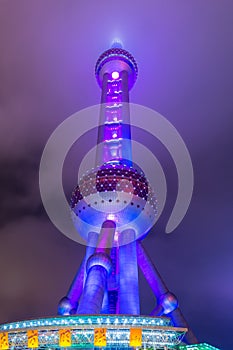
(116, 60)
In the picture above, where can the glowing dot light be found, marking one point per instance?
(115, 75)
(111, 217)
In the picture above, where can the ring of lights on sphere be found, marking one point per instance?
(114, 191)
(116, 60)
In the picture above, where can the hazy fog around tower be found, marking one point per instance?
(184, 52)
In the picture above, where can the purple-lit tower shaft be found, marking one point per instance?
(114, 140)
(113, 208)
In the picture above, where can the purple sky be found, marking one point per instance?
(184, 51)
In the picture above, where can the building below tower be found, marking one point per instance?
(96, 331)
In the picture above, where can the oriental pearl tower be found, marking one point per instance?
(113, 208)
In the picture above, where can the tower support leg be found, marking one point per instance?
(93, 293)
(90, 249)
(68, 305)
(128, 270)
(162, 294)
(179, 320)
(98, 268)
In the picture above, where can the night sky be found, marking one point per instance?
(184, 50)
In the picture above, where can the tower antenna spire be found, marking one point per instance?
(117, 44)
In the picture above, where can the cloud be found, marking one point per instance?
(19, 188)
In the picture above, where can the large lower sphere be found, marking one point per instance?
(114, 192)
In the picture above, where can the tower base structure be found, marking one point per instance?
(96, 331)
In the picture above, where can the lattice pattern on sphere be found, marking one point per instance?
(111, 54)
(113, 179)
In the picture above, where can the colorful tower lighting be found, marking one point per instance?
(113, 208)
(116, 72)
(116, 190)
(116, 197)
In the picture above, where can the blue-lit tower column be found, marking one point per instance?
(113, 208)
(116, 73)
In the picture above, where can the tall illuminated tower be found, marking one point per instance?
(113, 208)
